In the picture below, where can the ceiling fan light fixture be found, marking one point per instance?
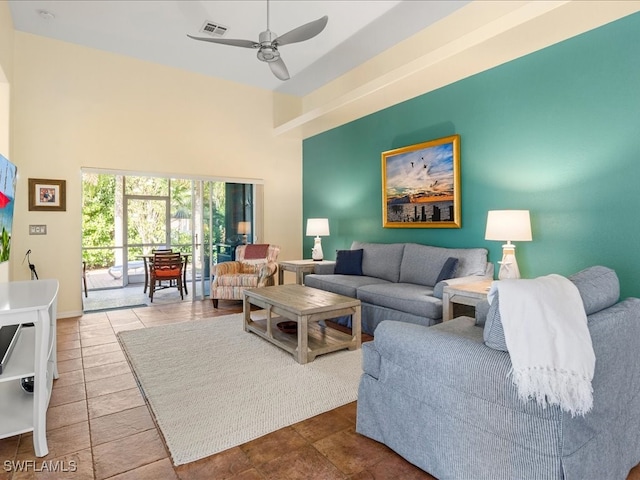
(268, 42)
(46, 15)
(268, 54)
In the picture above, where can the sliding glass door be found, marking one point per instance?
(127, 216)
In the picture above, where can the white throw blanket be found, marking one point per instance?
(545, 329)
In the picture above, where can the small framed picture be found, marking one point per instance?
(47, 195)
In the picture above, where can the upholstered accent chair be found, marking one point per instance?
(255, 266)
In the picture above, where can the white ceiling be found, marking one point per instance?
(155, 31)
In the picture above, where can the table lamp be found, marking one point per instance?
(244, 228)
(318, 227)
(508, 225)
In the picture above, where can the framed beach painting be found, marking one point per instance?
(47, 195)
(421, 185)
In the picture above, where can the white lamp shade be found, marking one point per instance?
(244, 228)
(317, 227)
(508, 225)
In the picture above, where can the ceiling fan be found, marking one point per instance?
(268, 43)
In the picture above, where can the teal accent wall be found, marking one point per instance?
(556, 132)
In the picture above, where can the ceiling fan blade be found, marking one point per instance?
(279, 69)
(228, 41)
(303, 32)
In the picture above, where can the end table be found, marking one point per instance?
(300, 267)
(464, 294)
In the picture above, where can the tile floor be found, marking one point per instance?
(99, 424)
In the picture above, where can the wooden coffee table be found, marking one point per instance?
(306, 306)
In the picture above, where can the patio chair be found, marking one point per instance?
(148, 263)
(255, 266)
(166, 267)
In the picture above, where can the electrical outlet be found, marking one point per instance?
(37, 229)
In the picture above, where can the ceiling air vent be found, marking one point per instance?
(214, 29)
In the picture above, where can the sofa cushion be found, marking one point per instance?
(471, 261)
(341, 284)
(349, 262)
(381, 260)
(404, 297)
(599, 288)
(421, 264)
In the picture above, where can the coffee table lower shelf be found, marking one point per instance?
(320, 339)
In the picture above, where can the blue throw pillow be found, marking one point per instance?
(348, 262)
(448, 269)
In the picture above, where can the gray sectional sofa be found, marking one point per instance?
(443, 399)
(399, 280)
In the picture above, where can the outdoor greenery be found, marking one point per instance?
(146, 211)
(98, 219)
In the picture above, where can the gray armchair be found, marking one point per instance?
(442, 399)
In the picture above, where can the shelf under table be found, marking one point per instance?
(19, 418)
(321, 339)
(22, 359)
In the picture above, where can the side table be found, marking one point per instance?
(34, 355)
(300, 267)
(465, 294)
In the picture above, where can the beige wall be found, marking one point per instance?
(76, 107)
(6, 42)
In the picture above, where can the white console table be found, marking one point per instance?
(34, 355)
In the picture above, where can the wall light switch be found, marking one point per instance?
(37, 229)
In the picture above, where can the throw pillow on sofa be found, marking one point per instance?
(448, 270)
(348, 262)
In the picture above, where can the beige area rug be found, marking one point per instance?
(213, 386)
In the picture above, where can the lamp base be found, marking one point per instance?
(316, 253)
(508, 264)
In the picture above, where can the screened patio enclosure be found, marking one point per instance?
(125, 217)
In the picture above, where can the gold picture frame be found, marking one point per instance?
(421, 185)
(47, 195)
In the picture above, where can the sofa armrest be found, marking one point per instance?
(416, 346)
(225, 268)
(324, 269)
(446, 362)
(451, 354)
(370, 360)
(267, 271)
